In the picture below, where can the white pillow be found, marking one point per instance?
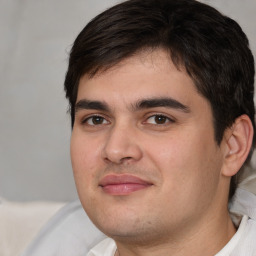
(69, 232)
(20, 222)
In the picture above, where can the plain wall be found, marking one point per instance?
(36, 36)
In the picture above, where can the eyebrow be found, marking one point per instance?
(141, 104)
(161, 102)
(88, 104)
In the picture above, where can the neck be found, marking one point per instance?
(206, 239)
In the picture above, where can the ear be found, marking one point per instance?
(238, 142)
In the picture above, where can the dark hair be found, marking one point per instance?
(212, 47)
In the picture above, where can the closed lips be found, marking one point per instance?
(122, 184)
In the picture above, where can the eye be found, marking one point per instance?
(159, 119)
(95, 120)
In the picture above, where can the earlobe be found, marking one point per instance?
(238, 141)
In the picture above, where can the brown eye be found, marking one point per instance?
(158, 119)
(95, 120)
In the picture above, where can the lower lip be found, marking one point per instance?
(123, 189)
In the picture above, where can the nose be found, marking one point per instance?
(121, 146)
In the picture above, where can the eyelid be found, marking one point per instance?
(170, 119)
(85, 119)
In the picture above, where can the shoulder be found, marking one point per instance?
(244, 203)
(247, 243)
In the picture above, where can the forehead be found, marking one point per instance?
(147, 73)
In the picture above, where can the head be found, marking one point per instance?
(211, 47)
(206, 46)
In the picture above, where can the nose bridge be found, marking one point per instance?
(122, 143)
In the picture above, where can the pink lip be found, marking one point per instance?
(123, 184)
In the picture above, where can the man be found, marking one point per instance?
(161, 100)
(161, 96)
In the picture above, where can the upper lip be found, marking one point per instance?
(114, 179)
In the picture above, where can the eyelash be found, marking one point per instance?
(167, 119)
(84, 121)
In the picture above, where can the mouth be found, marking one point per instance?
(123, 184)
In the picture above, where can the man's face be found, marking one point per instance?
(143, 152)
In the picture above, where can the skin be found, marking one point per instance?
(118, 132)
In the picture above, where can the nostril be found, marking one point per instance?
(120, 161)
(126, 158)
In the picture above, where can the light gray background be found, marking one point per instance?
(36, 36)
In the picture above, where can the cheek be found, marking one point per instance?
(171, 153)
(84, 155)
(84, 159)
(184, 160)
